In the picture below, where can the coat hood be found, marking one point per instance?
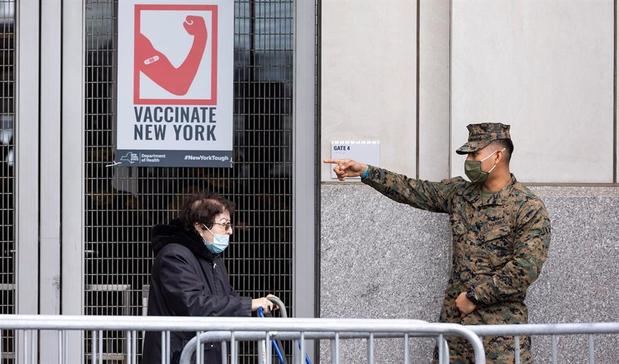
(175, 233)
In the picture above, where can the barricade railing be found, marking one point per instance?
(552, 330)
(233, 329)
(335, 330)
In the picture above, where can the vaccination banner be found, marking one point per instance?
(175, 83)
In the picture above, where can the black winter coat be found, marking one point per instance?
(187, 280)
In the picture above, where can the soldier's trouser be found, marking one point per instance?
(499, 350)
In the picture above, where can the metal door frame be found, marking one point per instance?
(49, 166)
(304, 162)
(26, 166)
(304, 157)
(72, 170)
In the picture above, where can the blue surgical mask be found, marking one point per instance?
(219, 244)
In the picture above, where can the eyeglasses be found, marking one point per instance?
(226, 225)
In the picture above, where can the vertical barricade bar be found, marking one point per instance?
(26, 336)
(198, 351)
(100, 346)
(163, 347)
(167, 347)
(443, 357)
(371, 349)
(302, 348)
(335, 348)
(517, 349)
(93, 347)
(267, 348)
(554, 349)
(34, 347)
(134, 354)
(446, 350)
(60, 346)
(129, 346)
(406, 350)
(233, 349)
(591, 350)
(62, 338)
(135, 347)
(224, 352)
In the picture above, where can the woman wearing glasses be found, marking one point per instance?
(188, 277)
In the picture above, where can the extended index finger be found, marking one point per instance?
(335, 161)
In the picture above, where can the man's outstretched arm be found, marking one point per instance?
(431, 196)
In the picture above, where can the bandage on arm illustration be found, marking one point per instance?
(157, 66)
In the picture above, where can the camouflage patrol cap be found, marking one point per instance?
(483, 134)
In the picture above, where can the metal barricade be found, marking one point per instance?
(233, 329)
(552, 330)
(233, 338)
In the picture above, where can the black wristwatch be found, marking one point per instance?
(470, 295)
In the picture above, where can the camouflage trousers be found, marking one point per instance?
(499, 350)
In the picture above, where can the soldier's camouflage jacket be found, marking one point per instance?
(500, 241)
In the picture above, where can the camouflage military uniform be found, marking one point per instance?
(500, 242)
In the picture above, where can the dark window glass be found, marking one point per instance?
(7, 170)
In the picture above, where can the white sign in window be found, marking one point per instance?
(366, 151)
(175, 83)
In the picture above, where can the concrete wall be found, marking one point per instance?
(545, 67)
(380, 259)
(434, 88)
(369, 77)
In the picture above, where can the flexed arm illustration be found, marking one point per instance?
(157, 66)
